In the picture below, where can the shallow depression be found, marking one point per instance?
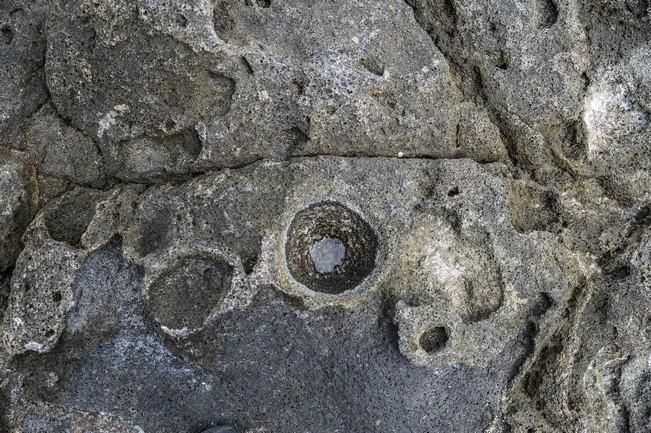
(184, 295)
(434, 339)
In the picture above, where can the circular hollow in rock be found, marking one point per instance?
(434, 339)
(68, 221)
(330, 248)
(184, 295)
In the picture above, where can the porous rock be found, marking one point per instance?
(17, 206)
(267, 216)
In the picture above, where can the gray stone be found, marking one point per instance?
(223, 429)
(64, 152)
(22, 50)
(17, 206)
(325, 216)
(462, 317)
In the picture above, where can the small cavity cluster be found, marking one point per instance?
(329, 248)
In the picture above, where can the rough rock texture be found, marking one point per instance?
(267, 216)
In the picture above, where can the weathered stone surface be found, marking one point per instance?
(61, 151)
(22, 48)
(17, 206)
(452, 262)
(265, 216)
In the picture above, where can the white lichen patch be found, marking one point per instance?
(109, 119)
(609, 114)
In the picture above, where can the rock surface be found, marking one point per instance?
(325, 216)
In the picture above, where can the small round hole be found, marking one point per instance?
(434, 339)
(181, 20)
(170, 125)
(6, 35)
